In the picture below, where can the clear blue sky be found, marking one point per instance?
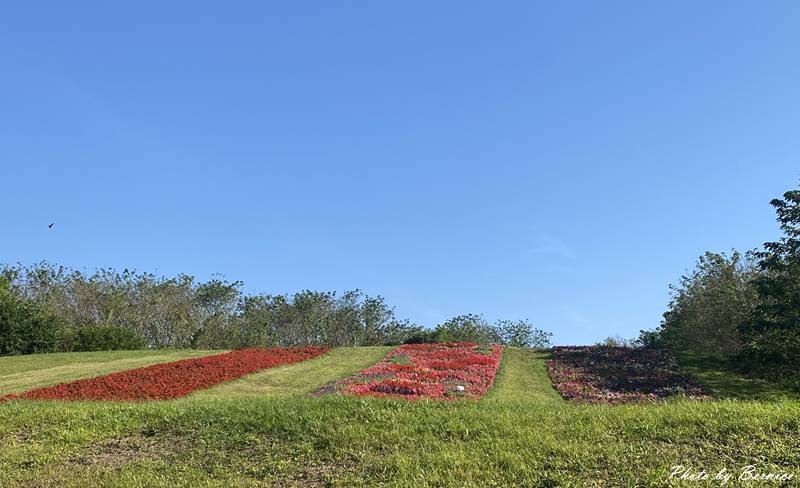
(557, 161)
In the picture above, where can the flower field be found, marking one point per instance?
(434, 371)
(616, 375)
(174, 379)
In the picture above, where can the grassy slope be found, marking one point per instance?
(522, 433)
(718, 374)
(21, 373)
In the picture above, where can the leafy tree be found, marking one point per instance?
(467, 328)
(473, 328)
(522, 333)
(308, 317)
(617, 341)
(708, 306)
(24, 327)
(772, 336)
(215, 302)
(94, 309)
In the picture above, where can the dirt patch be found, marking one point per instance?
(119, 451)
(313, 475)
(21, 437)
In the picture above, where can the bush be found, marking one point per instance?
(618, 341)
(467, 328)
(473, 328)
(421, 337)
(522, 334)
(97, 338)
(24, 327)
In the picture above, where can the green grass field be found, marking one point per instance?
(268, 429)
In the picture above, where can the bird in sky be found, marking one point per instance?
(51, 225)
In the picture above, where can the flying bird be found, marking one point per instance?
(51, 225)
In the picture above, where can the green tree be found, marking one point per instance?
(467, 328)
(772, 336)
(182, 312)
(617, 341)
(24, 327)
(215, 303)
(708, 306)
(522, 333)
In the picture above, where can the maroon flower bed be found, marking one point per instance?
(173, 379)
(415, 371)
(616, 375)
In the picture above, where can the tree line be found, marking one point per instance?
(745, 306)
(45, 308)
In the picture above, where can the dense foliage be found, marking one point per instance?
(742, 307)
(52, 308)
(772, 336)
(96, 338)
(474, 328)
(112, 310)
(709, 305)
(25, 327)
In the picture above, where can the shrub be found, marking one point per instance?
(522, 333)
(97, 338)
(421, 337)
(24, 327)
(619, 341)
(473, 328)
(467, 328)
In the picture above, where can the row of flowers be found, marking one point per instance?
(616, 375)
(174, 379)
(435, 371)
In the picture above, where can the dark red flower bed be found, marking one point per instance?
(417, 371)
(616, 375)
(173, 379)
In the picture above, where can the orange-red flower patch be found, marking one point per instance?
(415, 371)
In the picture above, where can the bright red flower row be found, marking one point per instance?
(174, 379)
(415, 371)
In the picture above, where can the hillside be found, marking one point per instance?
(269, 428)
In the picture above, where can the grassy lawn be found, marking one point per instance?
(718, 374)
(266, 430)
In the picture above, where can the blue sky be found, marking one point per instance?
(557, 161)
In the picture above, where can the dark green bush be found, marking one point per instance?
(97, 338)
(24, 327)
(421, 337)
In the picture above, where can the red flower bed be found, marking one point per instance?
(173, 379)
(615, 375)
(417, 371)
